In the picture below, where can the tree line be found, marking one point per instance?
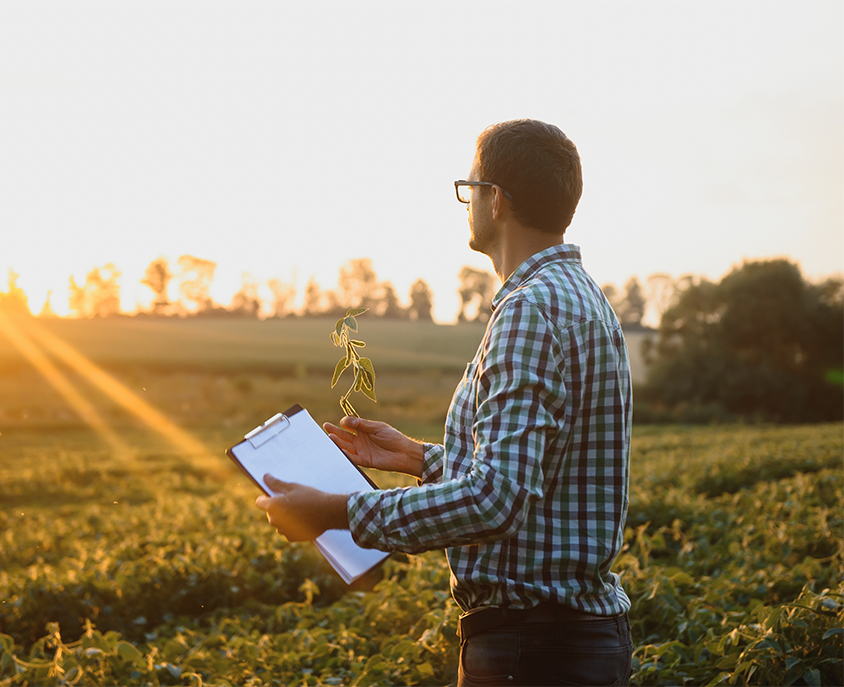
(763, 344)
(358, 286)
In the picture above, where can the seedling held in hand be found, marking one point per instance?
(364, 372)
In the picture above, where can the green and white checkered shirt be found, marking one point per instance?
(529, 493)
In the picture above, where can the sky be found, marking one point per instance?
(283, 139)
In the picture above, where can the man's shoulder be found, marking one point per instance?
(564, 293)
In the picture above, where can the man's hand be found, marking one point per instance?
(302, 513)
(376, 445)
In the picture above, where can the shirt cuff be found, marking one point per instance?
(432, 464)
(364, 511)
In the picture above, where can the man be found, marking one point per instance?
(529, 492)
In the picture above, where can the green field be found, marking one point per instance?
(153, 566)
(267, 346)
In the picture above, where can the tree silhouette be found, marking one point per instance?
(246, 301)
(157, 277)
(283, 295)
(632, 307)
(629, 308)
(358, 287)
(661, 293)
(14, 301)
(195, 279)
(313, 305)
(386, 302)
(357, 284)
(47, 308)
(476, 287)
(421, 302)
(99, 296)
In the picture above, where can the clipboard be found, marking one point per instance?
(294, 448)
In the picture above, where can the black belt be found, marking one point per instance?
(491, 618)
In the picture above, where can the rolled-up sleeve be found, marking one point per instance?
(432, 464)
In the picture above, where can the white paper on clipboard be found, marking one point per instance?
(292, 447)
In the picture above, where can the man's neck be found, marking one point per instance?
(517, 244)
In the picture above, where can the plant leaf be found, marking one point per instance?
(812, 677)
(342, 364)
(356, 342)
(351, 323)
(369, 392)
(354, 312)
(128, 652)
(366, 364)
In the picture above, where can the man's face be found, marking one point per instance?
(482, 236)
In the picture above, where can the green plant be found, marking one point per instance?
(364, 380)
(136, 571)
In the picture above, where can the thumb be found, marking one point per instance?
(350, 422)
(276, 485)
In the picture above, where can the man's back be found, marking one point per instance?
(545, 410)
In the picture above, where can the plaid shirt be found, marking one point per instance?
(529, 493)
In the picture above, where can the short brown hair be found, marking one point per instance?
(538, 165)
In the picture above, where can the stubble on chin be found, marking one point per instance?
(479, 241)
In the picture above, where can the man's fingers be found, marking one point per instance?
(334, 429)
(342, 442)
(263, 502)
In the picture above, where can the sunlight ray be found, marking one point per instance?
(120, 393)
(62, 385)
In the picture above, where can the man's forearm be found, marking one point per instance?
(414, 458)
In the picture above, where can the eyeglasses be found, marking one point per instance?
(463, 189)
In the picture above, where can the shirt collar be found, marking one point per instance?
(564, 252)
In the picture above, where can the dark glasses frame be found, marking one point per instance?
(463, 182)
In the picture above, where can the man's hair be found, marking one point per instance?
(538, 166)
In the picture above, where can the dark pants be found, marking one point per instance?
(548, 645)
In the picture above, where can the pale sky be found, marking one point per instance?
(283, 139)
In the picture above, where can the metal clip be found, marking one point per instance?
(261, 435)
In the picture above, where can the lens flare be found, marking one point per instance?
(62, 385)
(118, 392)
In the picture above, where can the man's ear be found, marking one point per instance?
(498, 202)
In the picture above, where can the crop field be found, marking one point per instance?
(131, 551)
